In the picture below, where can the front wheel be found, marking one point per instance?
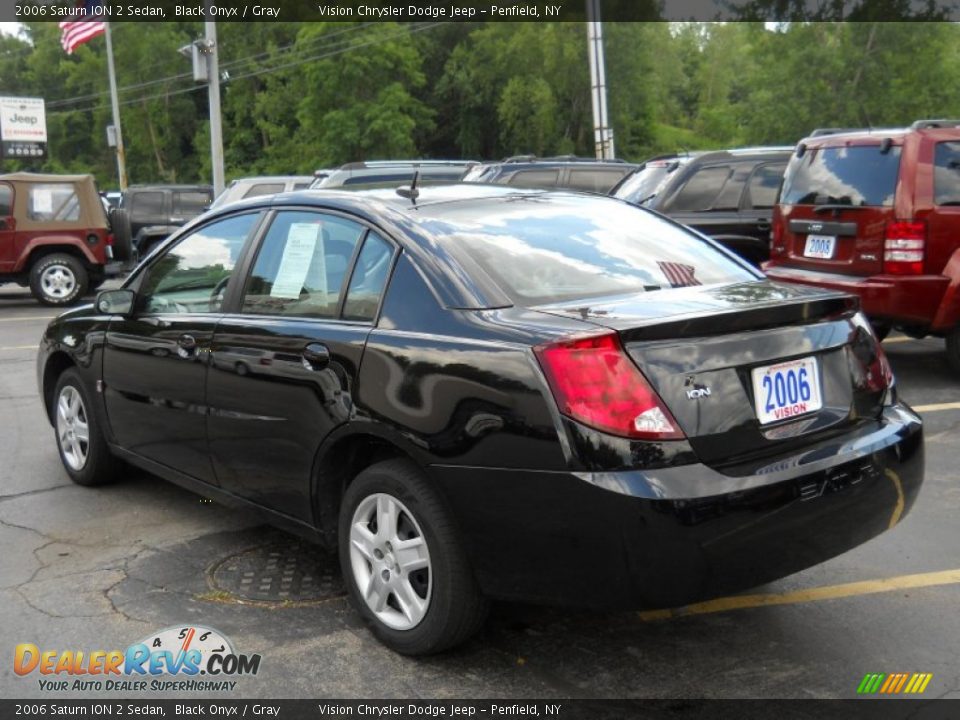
(403, 564)
(58, 279)
(83, 449)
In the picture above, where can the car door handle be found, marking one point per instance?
(316, 356)
(763, 225)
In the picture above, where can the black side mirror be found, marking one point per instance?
(115, 302)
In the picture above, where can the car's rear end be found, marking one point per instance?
(848, 219)
(720, 430)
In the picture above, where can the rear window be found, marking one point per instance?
(535, 178)
(946, 174)
(263, 189)
(598, 181)
(859, 175)
(540, 251)
(711, 188)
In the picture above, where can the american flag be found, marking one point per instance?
(81, 26)
(679, 274)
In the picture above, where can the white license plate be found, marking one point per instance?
(786, 390)
(820, 246)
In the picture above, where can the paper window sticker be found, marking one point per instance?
(298, 254)
(42, 200)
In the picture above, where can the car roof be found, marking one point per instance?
(29, 177)
(271, 178)
(162, 186)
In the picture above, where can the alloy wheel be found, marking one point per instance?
(73, 429)
(390, 561)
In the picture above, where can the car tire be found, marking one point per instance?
(58, 279)
(423, 597)
(87, 461)
(953, 349)
(122, 234)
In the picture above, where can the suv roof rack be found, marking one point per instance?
(403, 163)
(928, 124)
(820, 132)
(559, 158)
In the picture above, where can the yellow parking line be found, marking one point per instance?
(827, 592)
(898, 339)
(19, 347)
(22, 319)
(936, 407)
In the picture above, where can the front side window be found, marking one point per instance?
(50, 202)
(946, 174)
(860, 175)
(190, 203)
(706, 190)
(192, 275)
(302, 265)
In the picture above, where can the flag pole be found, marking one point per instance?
(115, 103)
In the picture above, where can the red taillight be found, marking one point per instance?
(903, 247)
(109, 238)
(594, 382)
(874, 372)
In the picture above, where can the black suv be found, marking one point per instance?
(566, 171)
(728, 195)
(155, 211)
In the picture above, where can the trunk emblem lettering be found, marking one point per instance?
(698, 392)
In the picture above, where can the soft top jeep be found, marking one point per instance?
(55, 236)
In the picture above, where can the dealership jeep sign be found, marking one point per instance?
(23, 128)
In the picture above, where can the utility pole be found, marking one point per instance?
(216, 127)
(115, 103)
(602, 132)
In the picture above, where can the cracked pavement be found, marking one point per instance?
(99, 569)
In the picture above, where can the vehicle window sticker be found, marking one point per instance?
(300, 255)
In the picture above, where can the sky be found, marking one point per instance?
(9, 28)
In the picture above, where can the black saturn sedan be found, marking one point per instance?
(483, 393)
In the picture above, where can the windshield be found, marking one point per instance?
(861, 175)
(551, 249)
(646, 182)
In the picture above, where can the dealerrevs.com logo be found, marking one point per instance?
(178, 658)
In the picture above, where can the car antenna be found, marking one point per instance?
(412, 192)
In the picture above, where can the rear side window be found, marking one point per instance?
(302, 265)
(585, 248)
(535, 178)
(763, 186)
(6, 200)
(946, 174)
(859, 175)
(263, 189)
(710, 188)
(599, 181)
(149, 204)
(53, 202)
(368, 279)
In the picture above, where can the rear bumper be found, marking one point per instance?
(912, 300)
(668, 537)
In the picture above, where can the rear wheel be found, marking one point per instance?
(83, 449)
(403, 564)
(58, 279)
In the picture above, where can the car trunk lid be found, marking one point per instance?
(699, 348)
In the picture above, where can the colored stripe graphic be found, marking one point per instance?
(894, 683)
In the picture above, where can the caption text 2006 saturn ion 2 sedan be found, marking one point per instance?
(489, 393)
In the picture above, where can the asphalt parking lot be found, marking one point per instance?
(98, 569)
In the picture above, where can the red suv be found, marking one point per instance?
(877, 213)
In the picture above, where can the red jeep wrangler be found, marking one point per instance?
(877, 213)
(55, 236)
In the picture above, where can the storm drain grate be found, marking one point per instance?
(281, 572)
